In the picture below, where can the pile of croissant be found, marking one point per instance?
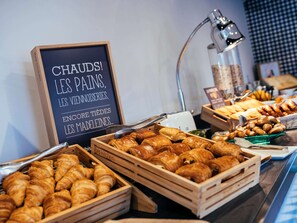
(50, 187)
(194, 158)
(284, 108)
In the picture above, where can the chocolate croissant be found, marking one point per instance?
(56, 202)
(26, 214)
(142, 134)
(143, 151)
(195, 142)
(196, 155)
(174, 134)
(223, 148)
(197, 172)
(15, 186)
(167, 160)
(41, 169)
(63, 163)
(177, 148)
(7, 206)
(222, 164)
(104, 178)
(124, 143)
(157, 141)
(75, 173)
(82, 190)
(37, 190)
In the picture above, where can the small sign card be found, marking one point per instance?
(215, 97)
(78, 91)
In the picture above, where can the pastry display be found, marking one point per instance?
(284, 108)
(189, 156)
(124, 143)
(35, 194)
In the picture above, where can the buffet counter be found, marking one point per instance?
(251, 206)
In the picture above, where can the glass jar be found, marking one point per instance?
(236, 72)
(221, 72)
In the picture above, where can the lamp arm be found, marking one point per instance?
(180, 92)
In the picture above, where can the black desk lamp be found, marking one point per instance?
(224, 34)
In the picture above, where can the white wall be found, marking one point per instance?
(146, 37)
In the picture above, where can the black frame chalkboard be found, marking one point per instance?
(78, 91)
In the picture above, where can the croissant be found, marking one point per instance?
(195, 142)
(124, 143)
(177, 148)
(15, 186)
(7, 206)
(197, 172)
(41, 169)
(167, 160)
(56, 202)
(26, 214)
(196, 155)
(223, 148)
(63, 163)
(156, 141)
(82, 190)
(104, 178)
(223, 163)
(174, 134)
(142, 151)
(37, 190)
(75, 173)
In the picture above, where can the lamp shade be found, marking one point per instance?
(224, 33)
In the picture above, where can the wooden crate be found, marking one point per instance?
(201, 198)
(218, 120)
(99, 209)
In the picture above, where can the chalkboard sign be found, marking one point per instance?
(78, 91)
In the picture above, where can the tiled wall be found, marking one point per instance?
(273, 30)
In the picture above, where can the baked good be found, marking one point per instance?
(223, 163)
(82, 191)
(196, 155)
(174, 134)
(124, 143)
(142, 134)
(197, 172)
(7, 206)
(167, 160)
(63, 163)
(15, 186)
(37, 190)
(41, 169)
(223, 148)
(104, 178)
(143, 151)
(75, 173)
(56, 202)
(195, 142)
(177, 148)
(157, 141)
(26, 214)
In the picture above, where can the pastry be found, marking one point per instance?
(143, 151)
(197, 172)
(82, 191)
(63, 163)
(124, 143)
(223, 148)
(104, 178)
(196, 155)
(195, 142)
(7, 206)
(41, 169)
(26, 214)
(223, 163)
(75, 173)
(157, 141)
(56, 202)
(177, 148)
(37, 190)
(15, 186)
(167, 160)
(142, 134)
(174, 134)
